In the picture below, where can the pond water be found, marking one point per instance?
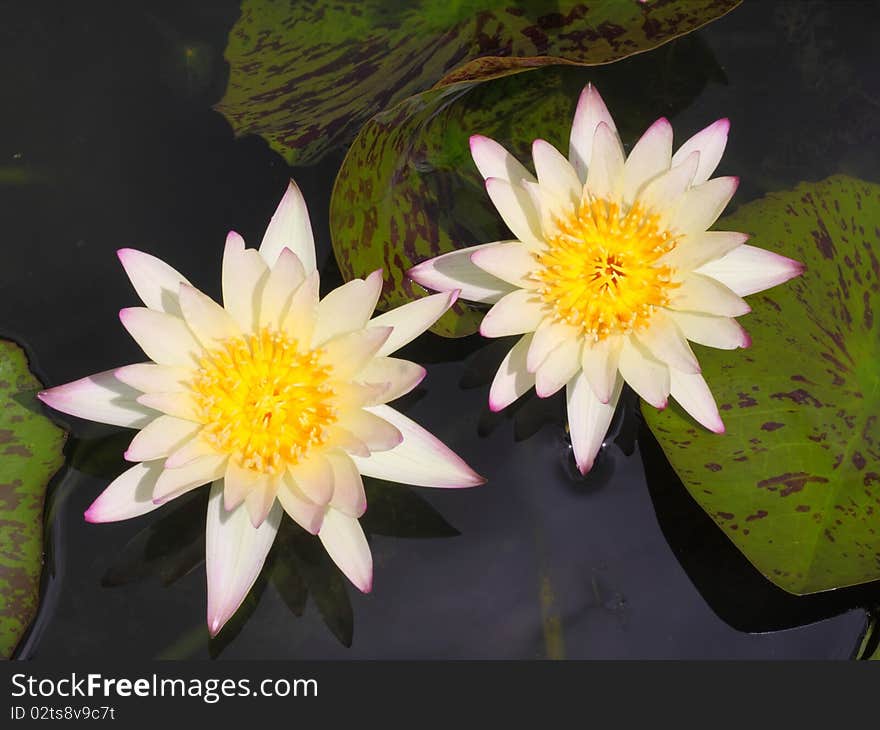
(108, 120)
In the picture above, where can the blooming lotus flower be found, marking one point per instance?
(277, 398)
(612, 272)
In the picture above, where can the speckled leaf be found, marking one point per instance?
(307, 75)
(408, 189)
(795, 481)
(30, 453)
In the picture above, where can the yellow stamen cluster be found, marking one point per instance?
(601, 270)
(264, 401)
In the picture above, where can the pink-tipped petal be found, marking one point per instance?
(514, 314)
(351, 351)
(507, 260)
(665, 341)
(410, 320)
(646, 376)
(400, 377)
(314, 478)
(664, 192)
(699, 293)
(548, 336)
(692, 252)
(161, 437)
(243, 277)
(291, 228)
(710, 143)
(555, 173)
(234, 555)
(559, 367)
(693, 394)
(492, 160)
(348, 487)
(590, 112)
(650, 157)
(749, 269)
(164, 338)
(421, 459)
(346, 544)
(283, 280)
(129, 495)
(174, 482)
(301, 509)
(455, 271)
(588, 419)
(710, 330)
(210, 323)
(605, 177)
(701, 205)
(155, 282)
(347, 308)
(517, 210)
(599, 361)
(102, 398)
(513, 377)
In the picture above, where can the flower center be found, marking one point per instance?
(601, 271)
(264, 401)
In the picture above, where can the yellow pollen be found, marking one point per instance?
(264, 401)
(601, 271)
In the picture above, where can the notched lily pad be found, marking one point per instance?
(307, 75)
(30, 454)
(795, 481)
(408, 189)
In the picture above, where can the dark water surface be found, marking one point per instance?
(108, 132)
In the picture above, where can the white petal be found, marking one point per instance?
(698, 293)
(348, 487)
(174, 482)
(164, 338)
(244, 275)
(155, 282)
(127, 496)
(301, 509)
(314, 477)
(710, 143)
(299, 322)
(210, 323)
(180, 404)
(260, 500)
(515, 206)
(102, 398)
(290, 228)
(513, 378)
(455, 271)
(345, 543)
(691, 252)
(555, 173)
(748, 269)
(284, 279)
(559, 367)
(646, 376)
(548, 336)
(665, 342)
(588, 419)
(599, 362)
(692, 394)
(590, 112)
(349, 352)
(347, 308)
(161, 437)
(605, 176)
(149, 377)
(238, 482)
(193, 449)
(401, 376)
(514, 314)
(234, 555)
(507, 260)
(375, 432)
(724, 333)
(649, 157)
(410, 320)
(421, 459)
(701, 205)
(663, 194)
(493, 160)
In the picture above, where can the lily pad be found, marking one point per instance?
(408, 189)
(30, 454)
(795, 480)
(307, 75)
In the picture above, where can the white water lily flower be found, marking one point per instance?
(613, 270)
(276, 397)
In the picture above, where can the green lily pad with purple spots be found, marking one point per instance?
(795, 480)
(30, 454)
(408, 189)
(307, 75)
